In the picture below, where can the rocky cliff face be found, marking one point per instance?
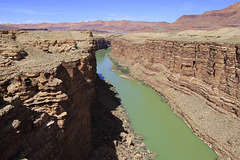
(101, 43)
(200, 79)
(52, 106)
(47, 91)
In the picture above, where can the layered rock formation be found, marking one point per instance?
(200, 80)
(47, 91)
(228, 17)
(50, 106)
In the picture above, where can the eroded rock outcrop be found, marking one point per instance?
(46, 98)
(9, 51)
(200, 79)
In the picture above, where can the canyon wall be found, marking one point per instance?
(200, 80)
(53, 105)
(47, 90)
(101, 43)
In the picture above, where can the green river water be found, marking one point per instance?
(165, 133)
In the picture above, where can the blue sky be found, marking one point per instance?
(55, 11)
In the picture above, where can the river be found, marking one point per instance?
(166, 134)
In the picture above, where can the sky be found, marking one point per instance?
(56, 11)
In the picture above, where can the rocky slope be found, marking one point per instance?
(113, 135)
(46, 95)
(200, 80)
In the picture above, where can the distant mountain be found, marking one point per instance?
(228, 17)
(110, 26)
(6, 27)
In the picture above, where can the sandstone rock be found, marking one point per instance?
(42, 79)
(16, 123)
(138, 156)
(32, 75)
(194, 77)
(129, 140)
(13, 87)
(60, 123)
(124, 136)
(46, 109)
(41, 107)
(12, 52)
(90, 33)
(5, 110)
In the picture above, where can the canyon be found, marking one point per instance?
(54, 106)
(199, 78)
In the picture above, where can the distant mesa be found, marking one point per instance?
(105, 26)
(4, 27)
(228, 17)
(210, 20)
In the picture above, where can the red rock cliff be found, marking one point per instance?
(200, 79)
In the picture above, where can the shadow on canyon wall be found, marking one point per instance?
(38, 118)
(106, 127)
(25, 133)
